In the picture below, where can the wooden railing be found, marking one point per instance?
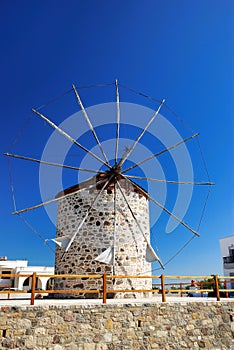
(167, 284)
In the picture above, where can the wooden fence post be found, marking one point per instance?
(104, 288)
(225, 287)
(216, 280)
(34, 280)
(181, 293)
(163, 288)
(201, 287)
(9, 292)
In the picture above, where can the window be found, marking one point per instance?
(5, 273)
(231, 251)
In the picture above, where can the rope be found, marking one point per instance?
(190, 240)
(204, 207)
(156, 100)
(179, 118)
(11, 184)
(140, 93)
(68, 91)
(203, 159)
(96, 85)
(54, 99)
(180, 250)
(36, 232)
(14, 203)
(172, 258)
(20, 132)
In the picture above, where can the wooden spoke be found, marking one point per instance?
(141, 134)
(54, 200)
(115, 226)
(87, 213)
(90, 124)
(169, 181)
(50, 163)
(69, 137)
(163, 208)
(138, 225)
(117, 122)
(161, 152)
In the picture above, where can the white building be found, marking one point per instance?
(227, 253)
(21, 267)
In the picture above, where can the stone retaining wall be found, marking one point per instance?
(163, 326)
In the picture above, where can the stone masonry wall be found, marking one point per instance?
(96, 235)
(164, 326)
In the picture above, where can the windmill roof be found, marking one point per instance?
(128, 185)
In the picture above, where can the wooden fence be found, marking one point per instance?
(218, 285)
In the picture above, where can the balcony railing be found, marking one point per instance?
(228, 259)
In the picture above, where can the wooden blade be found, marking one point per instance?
(141, 134)
(117, 122)
(49, 163)
(54, 200)
(87, 213)
(161, 152)
(169, 181)
(153, 254)
(163, 208)
(69, 137)
(115, 225)
(106, 257)
(89, 123)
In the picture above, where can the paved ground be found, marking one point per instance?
(24, 300)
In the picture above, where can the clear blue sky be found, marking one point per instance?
(179, 50)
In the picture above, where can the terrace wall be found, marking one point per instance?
(193, 325)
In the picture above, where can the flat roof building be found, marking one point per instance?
(227, 253)
(11, 267)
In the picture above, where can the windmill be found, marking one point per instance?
(103, 222)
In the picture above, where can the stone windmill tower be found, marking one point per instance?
(111, 216)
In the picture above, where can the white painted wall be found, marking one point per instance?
(225, 244)
(21, 267)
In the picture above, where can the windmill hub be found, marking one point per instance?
(116, 170)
